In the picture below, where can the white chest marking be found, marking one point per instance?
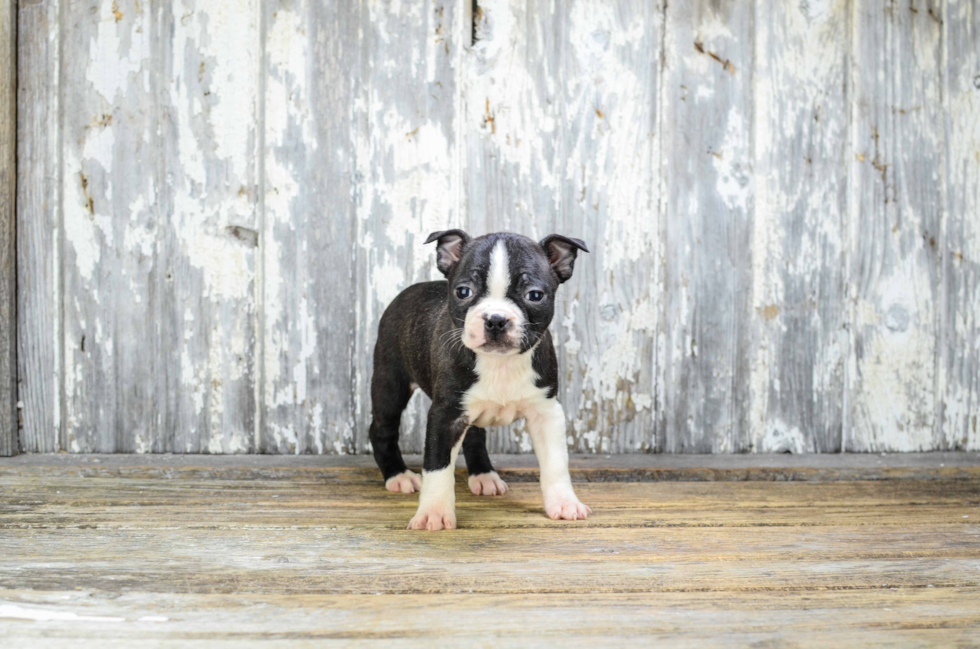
(504, 391)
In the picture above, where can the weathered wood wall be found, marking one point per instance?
(217, 200)
(8, 257)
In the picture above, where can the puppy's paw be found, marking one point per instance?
(566, 507)
(433, 518)
(406, 482)
(487, 484)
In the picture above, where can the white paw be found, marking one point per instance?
(566, 507)
(487, 484)
(434, 518)
(406, 482)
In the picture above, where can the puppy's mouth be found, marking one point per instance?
(502, 347)
(483, 342)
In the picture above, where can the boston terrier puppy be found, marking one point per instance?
(478, 345)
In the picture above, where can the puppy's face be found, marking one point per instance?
(502, 286)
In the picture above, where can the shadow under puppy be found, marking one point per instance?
(478, 345)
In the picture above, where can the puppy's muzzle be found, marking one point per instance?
(495, 325)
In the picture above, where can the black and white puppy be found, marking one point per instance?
(479, 346)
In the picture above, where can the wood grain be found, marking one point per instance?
(799, 342)
(708, 170)
(907, 617)
(308, 181)
(39, 240)
(514, 468)
(895, 226)
(611, 196)
(157, 181)
(960, 343)
(238, 557)
(209, 105)
(108, 188)
(9, 442)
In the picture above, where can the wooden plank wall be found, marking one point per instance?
(8, 256)
(959, 366)
(217, 200)
(40, 367)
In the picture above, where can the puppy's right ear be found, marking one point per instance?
(449, 249)
(561, 254)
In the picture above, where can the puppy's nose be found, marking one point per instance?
(495, 324)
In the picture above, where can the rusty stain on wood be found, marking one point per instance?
(488, 119)
(248, 236)
(725, 63)
(89, 202)
(769, 311)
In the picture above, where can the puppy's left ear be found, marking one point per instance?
(561, 253)
(450, 248)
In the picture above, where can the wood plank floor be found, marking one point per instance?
(203, 552)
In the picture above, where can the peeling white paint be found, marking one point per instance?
(797, 243)
(80, 232)
(38, 614)
(731, 163)
(110, 80)
(893, 413)
(959, 386)
(512, 108)
(524, 133)
(307, 331)
(777, 437)
(316, 425)
(232, 79)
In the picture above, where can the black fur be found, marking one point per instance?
(416, 343)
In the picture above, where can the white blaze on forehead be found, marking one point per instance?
(495, 302)
(498, 279)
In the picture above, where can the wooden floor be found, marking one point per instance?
(209, 552)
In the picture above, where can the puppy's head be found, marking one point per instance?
(502, 286)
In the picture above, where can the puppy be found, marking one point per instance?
(478, 345)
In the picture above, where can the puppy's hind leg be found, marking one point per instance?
(483, 480)
(390, 392)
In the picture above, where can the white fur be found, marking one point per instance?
(437, 499)
(495, 302)
(498, 278)
(487, 484)
(505, 390)
(546, 424)
(406, 482)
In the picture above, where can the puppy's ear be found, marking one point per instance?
(561, 253)
(449, 249)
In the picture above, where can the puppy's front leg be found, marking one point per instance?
(547, 427)
(444, 433)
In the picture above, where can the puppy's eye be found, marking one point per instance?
(534, 296)
(463, 292)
